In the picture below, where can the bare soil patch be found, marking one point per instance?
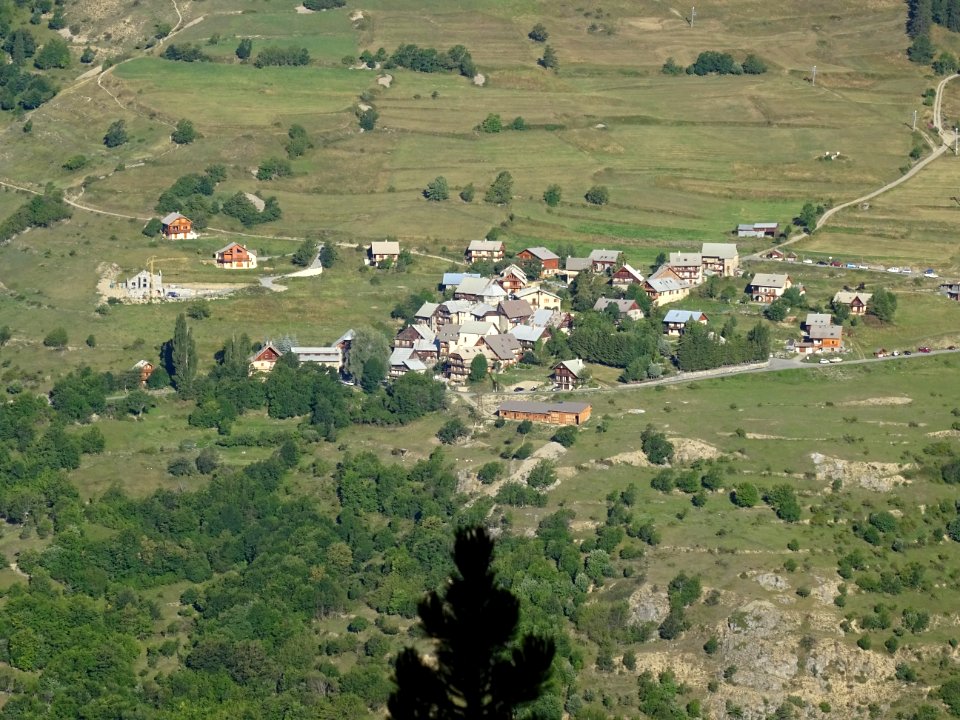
(868, 402)
(688, 449)
(878, 476)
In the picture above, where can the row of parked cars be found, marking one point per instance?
(883, 352)
(928, 273)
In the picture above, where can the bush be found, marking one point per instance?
(368, 119)
(152, 228)
(518, 495)
(451, 431)
(552, 195)
(566, 436)
(116, 134)
(56, 338)
(544, 473)
(655, 446)
(670, 67)
(77, 162)
(180, 467)
(184, 133)
(275, 56)
(745, 495)
(597, 195)
(468, 193)
(273, 168)
(525, 426)
(752, 65)
(491, 124)
(864, 642)
(207, 461)
(323, 4)
(538, 33)
(490, 472)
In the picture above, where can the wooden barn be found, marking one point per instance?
(559, 413)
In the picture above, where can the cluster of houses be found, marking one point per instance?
(499, 318)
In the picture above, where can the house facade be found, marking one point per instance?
(605, 260)
(539, 298)
(568, 374)
(144, 369)
(626, 275)
(177, 227)
(380, 252)
(512, 279)
(458, 364)
(625, 307)
(665, 287)
(687, 266)
(480, 250)
(235, 257)
(720, 259)
(767, 287)
(263, 360)
(856, 301)
(561, 413)
(548, 260)
(675, 321)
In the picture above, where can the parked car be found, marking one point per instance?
(863, 267)
(807, 261)
(896, 353)
(951, 347)
(923, 349)
(894, 269)
(907, 352)
(836, 359)
(836, 263)
(822, 262)
(851, 266)
(824, 361)
(906, 271)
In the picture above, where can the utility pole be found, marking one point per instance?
(693, 14)
(914, 120)
(956, 137)
(814, 81)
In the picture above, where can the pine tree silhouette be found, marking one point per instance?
(479, 672)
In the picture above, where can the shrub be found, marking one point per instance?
(77, 162)
(490, 472)
(491, 124)
(597, 195)
(655, 446)
(184, 133)
(566, 436)
(368, 119)
(468, 193)
(56, 338)
(544, 473)
(524, 427)
(116, 134)
(552, 195)
(180, 467)
(538, 33)
(451, 431)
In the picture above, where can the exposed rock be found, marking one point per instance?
(772, 581)
(876, 476)
(648, 606)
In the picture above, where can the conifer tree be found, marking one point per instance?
(480, 673)
(183, 356)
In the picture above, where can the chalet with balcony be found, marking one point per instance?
(856, 301)
(687, 266)
(568, 374)
(626, 307)
(767, 287)
(484, 250)
(512, 279)
(235, 257)
(675, 322)
(625, 276)
(720, 259)
(177, 227)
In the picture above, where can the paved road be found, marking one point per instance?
(775, 365)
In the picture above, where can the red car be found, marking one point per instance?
(923, 349)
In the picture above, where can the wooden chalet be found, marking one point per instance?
(856, 301)
(235, 257)
(549, 261)
(559, 413)
(512, 279)
(144, 369)
(675, 321)
(177, 227)
(263, 360)
(625, 275)
(568, 374)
